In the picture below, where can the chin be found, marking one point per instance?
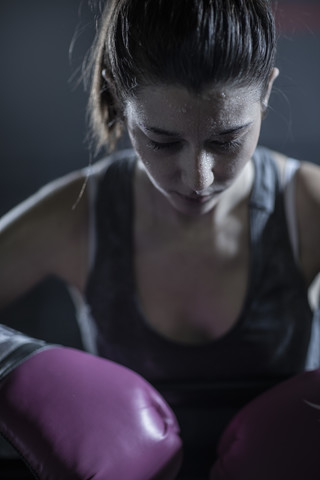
(192, 208)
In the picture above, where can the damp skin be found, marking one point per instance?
(194, 147)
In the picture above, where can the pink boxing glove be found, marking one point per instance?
(72, 415)
(276, 436)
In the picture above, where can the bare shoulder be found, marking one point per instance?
(308, 177)
(308, 214)
(47, 234)
(308, 183)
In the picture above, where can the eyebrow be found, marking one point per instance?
(167, 133)
(234, 129)
(161, 131)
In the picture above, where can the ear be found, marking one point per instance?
(274, 74)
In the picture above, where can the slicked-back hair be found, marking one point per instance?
(191, 43)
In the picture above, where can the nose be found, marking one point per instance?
(197, 171)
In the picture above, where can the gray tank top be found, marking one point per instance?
(270, 339)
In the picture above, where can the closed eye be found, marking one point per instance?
(230, 145)
(156, 146)
(227, 146)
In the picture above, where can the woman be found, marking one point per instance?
(181, 254)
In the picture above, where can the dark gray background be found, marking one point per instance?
(42, 117)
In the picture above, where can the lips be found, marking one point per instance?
(199, 198)
(196, 199)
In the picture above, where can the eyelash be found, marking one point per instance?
(231, 145)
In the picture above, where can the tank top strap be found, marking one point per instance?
(111, 277)
(267, 181)
(289, 190)
(265, 202)
(114, 212)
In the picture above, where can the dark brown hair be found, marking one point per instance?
(192, 43)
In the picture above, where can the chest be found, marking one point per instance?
(192, 287)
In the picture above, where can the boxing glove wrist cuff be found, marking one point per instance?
(15, 348)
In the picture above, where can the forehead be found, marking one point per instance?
(174, 107)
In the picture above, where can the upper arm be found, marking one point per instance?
(308, 216)
(47, 234)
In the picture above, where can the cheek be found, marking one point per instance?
(140, 145)
(159, 171)
(227, 168)
(159, 168)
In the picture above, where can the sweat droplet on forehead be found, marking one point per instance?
(175, 111)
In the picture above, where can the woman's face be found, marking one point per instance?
(193, 147)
